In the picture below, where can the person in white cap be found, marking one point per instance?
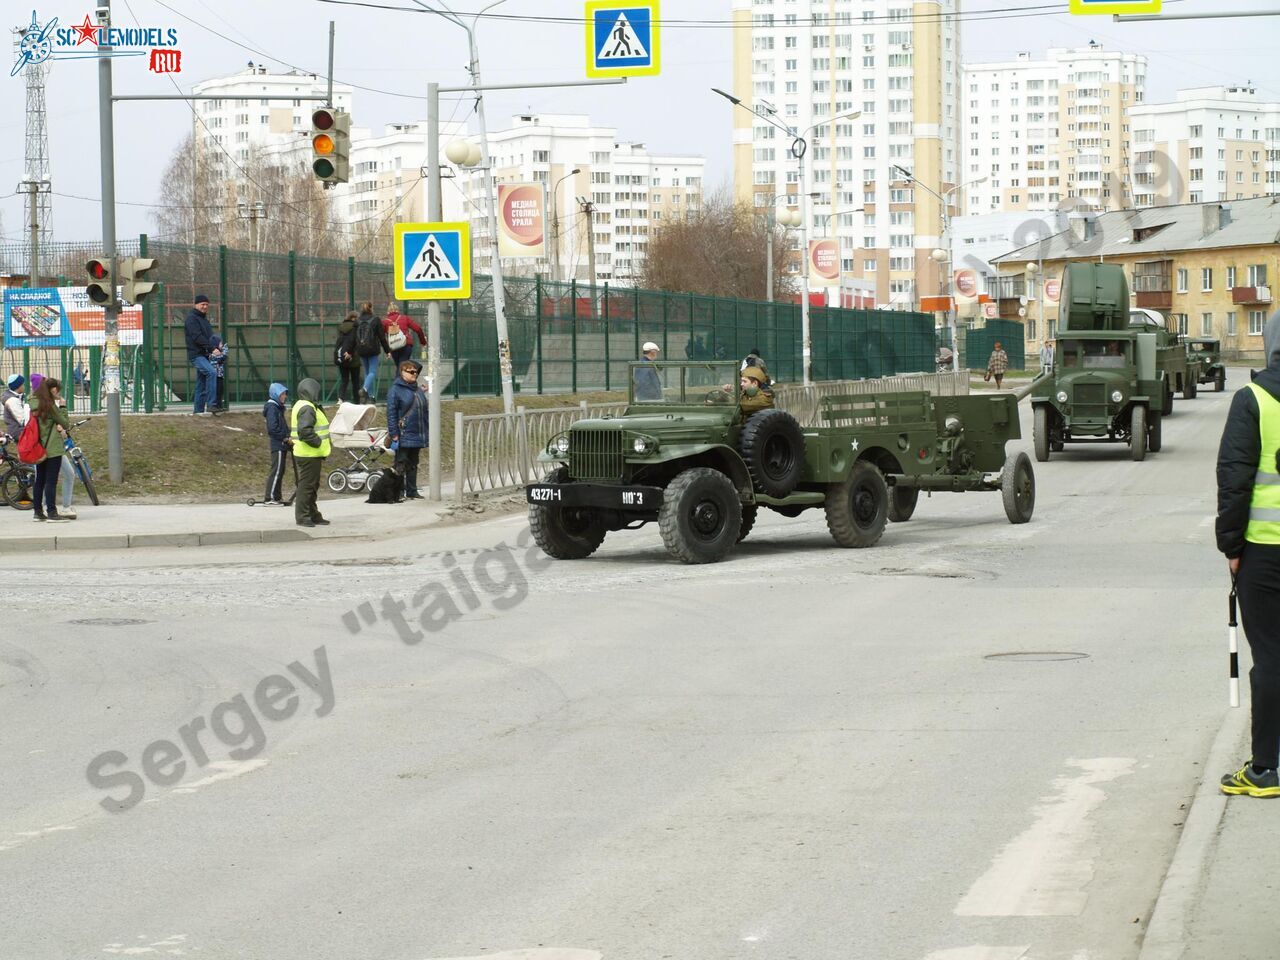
(648, 384)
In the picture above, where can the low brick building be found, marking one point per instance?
(1208, 268)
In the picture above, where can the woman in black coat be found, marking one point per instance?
(346, 360)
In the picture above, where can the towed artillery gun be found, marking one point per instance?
(1110, 381)
(686, 458)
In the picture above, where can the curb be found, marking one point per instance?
(122, 541)
(1165, 937)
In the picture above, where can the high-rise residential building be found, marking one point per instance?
(896, 61)
(1052, 132)
(619, 196)
(1210, 144)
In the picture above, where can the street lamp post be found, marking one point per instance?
(555, 221)
(943, 198)
(788, 219)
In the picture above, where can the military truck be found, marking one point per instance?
(1171, 354)
(687, 458)
(1205, 356)
(1107, 384)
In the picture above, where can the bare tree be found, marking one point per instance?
(720, 250)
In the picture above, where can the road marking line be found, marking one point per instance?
(1046, 870)
(537, 953)
(979, 952)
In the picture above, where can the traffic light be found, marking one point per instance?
(133, 278)
(101, 288)
(331, 145)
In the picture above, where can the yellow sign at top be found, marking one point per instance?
(1115, 6)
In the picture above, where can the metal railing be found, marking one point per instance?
(499, 451)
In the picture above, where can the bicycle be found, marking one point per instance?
(16, 478)
(80, 464)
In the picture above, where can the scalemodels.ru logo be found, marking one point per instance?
(38, 44)
(1115, 6)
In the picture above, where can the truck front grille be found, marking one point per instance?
(1089, 400)
(595, 454)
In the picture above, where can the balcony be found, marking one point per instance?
(1153, 285)
(1250, 295)
(1153, 299)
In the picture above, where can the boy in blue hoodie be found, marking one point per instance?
(276, 411)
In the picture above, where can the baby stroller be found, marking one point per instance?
(353, 430)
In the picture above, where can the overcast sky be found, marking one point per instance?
(400, 52)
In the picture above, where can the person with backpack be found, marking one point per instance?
(407, 424)
(41, 444)
(275, 412)
(400, 329)
(14, 406)
(347, 360)
(371, 346)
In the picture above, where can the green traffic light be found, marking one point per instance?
(323, 168)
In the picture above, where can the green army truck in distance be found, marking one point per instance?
(1206, 356)
(1107, 385)
(683, 455)
(1172, 356)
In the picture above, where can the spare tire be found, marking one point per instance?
(772, 444)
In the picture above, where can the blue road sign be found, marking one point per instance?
(623, 38)
(432, 261)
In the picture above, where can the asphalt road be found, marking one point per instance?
(973, 742)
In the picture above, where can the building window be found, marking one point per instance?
(1182, 280)
(1256, 319)
(1206, 279)
(1231, 323)
(1206, 324)
(1231, 277)
(1257, 275)
(1181, 320)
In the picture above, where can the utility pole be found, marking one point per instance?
(253, 212)
(35, 223)
(589, 209)
(111, 310)
(435, 213)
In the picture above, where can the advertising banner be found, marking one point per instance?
(824, 263)
(62, 317)
(966, 286)
(1052, 289)
(522, 226)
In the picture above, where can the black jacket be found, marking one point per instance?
(346, 343)
(1238, 462)
(199, 333)
(277, 424)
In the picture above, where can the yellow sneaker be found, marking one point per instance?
(1249, 782)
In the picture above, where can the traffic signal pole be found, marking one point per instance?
(111, 310)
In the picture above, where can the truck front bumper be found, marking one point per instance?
(602, 496)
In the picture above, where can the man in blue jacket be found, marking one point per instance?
(200, 348)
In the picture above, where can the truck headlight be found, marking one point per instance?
(562, 445)
(643, 445)
(1062, 396)
(1117, 396)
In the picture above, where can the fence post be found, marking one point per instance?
(605, 314)
(522, 445)
(351, 283)
(457, 351)
(161, 367)
(222, 291)
(459, 449)
(291, 340)
(573, 335)
(635, 320)
(538, 329)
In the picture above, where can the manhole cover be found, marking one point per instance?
(1037, 656)
(109, 622)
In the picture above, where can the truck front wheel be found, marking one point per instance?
(701, 516)
(1138, 433)
(1041, 430)
(858, 507)
(565, 533)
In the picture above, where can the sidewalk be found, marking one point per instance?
(1219, 896)
(115, 527)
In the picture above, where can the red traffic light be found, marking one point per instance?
(322, 119)
(97, 269)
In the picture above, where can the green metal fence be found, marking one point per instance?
(278, 314)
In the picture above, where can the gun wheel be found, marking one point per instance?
(1018, 488)
(858, 507)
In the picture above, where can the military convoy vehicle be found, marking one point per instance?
(1171, 354)
(1205, 356)
(684, 456)
(1110, 381)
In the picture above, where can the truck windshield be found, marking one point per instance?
(1096, 354)
(1204, 346)
(684, 383)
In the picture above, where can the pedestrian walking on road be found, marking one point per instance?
(648, 383)
(200, 354)
(400, 329)
(997, 364)
(53, 426)
(407, 424)
(309, 431)
(371, 346)
(1248, 531)
(1046, 358)
(275, 412)
(347, 360)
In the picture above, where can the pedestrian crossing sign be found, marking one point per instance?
(623, 38)
(1115, 6)
(432, 261)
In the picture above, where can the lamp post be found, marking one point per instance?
(946, 247)
(555, 221)
(788, 219)
(799, 147)
(1032, 270)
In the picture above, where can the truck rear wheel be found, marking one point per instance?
(565, 533)
(902, 503)
(772, 444)
(701, 516)
(1220, 381)
(1167, 408)
(1041, 429)
(1154, 438)
(858, 507)
(749, 512)
(1018, 488)
(1138, 434)
(1188, 387)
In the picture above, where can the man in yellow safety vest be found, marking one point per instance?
(309, 429)
(1248, 530)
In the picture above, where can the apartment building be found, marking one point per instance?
(896, 61)
(1210, 144)
(618, 195)
(1207, 268)
(1047, 132)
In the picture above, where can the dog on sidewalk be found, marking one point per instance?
(389, 487)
